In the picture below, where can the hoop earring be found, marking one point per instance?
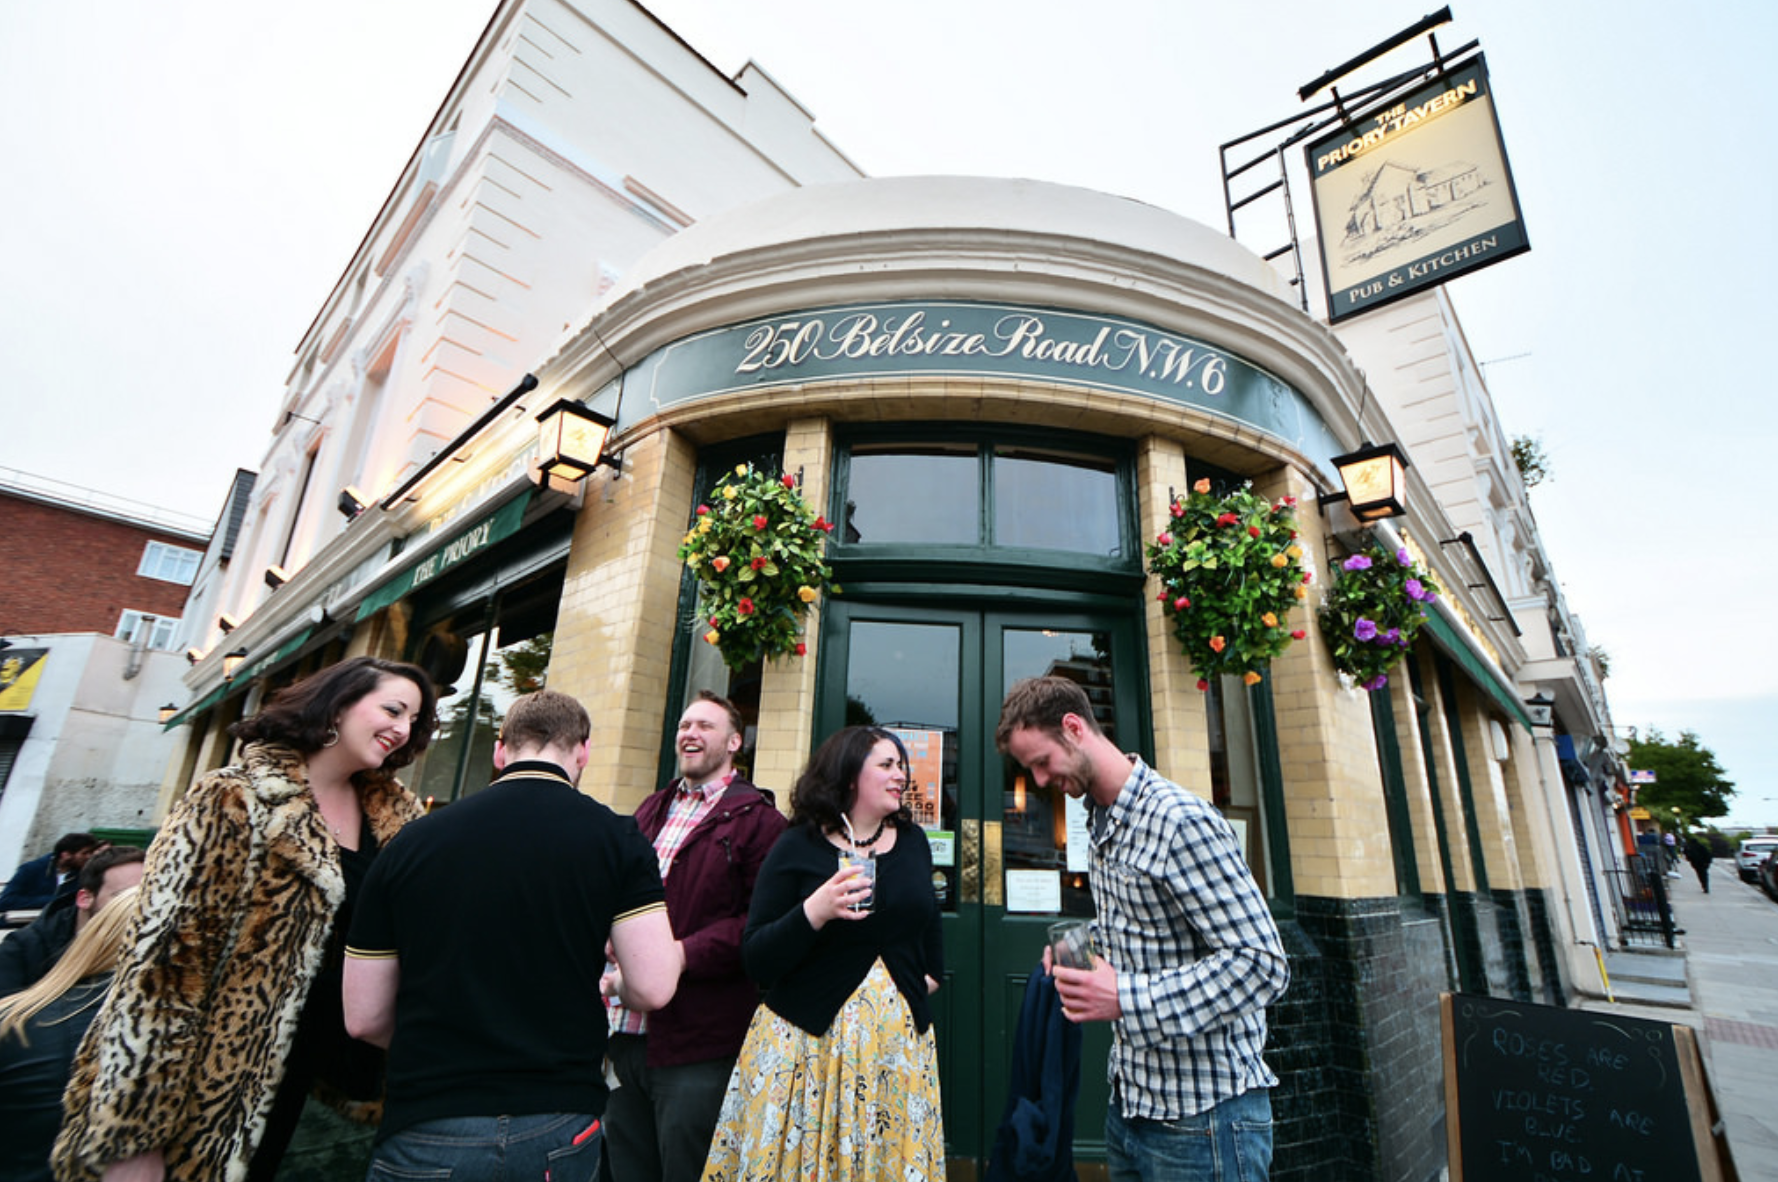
(333, 736)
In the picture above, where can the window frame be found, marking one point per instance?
(157, 554)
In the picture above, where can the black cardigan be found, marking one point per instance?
(809, 974)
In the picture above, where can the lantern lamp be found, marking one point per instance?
(571, 440)
(1375, 482)
(231, 662)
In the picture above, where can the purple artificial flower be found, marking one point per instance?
(1401, 556)
(1377, 682)
(1391, 637)
(1356, 562)
(1364, 629)
(1416, 589)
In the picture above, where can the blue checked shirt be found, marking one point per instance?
(1197, 954)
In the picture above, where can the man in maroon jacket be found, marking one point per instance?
(711, 830)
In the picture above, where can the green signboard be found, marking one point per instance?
(460, 543)
(967, 339)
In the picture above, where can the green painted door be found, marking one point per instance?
(1009, 858)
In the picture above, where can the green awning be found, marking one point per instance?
(198, 707)
(1481, 670)
(456, 546)
(282, 651)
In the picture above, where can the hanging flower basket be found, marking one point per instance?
(756, 550)
(1373, 611)
(1230, 569)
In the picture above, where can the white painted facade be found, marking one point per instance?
(580, 134)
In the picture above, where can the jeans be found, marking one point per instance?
(547, 1147)
(1232, 1142)
(660, 1119)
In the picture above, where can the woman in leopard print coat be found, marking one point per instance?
(238, 916)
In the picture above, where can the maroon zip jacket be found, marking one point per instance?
(709, 889)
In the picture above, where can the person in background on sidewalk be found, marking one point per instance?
(36, 882)
(1190, 959)
(1697, 852)
(477, 957)
(711, 831)
(26, 955)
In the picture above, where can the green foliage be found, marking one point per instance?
(1531, 460)
(1687, 777)
(1373, 612)
(756, 550)
(1230, 571)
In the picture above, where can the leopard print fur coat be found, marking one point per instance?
(232, 920)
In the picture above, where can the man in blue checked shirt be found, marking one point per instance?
(1189, 954)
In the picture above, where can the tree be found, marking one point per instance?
(1532, 461)
(1687, 777)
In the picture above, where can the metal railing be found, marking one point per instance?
(1644, 912)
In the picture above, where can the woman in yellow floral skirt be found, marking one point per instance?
(838, 1078)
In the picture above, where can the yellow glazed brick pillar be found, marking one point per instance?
(1181, 728)
(1413, 773)
(1450, 799)
(620, 597)
(1488, 790)
(1531, 819)
(1333, 788)
(787, 685)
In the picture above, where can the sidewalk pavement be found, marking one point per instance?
(1723, 983)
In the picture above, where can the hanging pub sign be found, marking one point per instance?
(1414, 193)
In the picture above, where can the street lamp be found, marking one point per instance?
(231, 662)
(571, 440)
(1542, 709)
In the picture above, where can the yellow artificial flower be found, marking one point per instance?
(1202, 486)
(1300, 591)
(1251, 678)
(704, 526)
(728, 492)
(1269, 620)
(806, 593)
(711, 636)
(1280, 561)
(1295, 551)
(740, 469)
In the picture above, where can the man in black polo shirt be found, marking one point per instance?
(476, 952)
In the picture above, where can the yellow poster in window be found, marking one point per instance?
(20, 669)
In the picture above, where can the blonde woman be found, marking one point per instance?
(41, 1028)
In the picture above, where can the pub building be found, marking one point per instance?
(993, 389)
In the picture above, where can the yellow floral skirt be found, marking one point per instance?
(857, 1104)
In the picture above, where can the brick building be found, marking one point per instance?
(90, 611)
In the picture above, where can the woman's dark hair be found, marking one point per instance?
(829, 784)
(302, 714)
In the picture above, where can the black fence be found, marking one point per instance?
(1645, 914)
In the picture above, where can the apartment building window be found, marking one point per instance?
(171, 564)
(148, 630)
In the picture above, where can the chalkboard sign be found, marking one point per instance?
(1539, 1094)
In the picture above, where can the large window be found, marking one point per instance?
(981, 493)
(171, 564)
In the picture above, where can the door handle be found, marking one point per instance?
(969, 873)
(993, 870)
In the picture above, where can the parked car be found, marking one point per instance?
(1753, 851)
(1768, 875)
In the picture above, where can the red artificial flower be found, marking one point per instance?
(720, 562)
(1202, 684)
(801, 649)
(1253, 531)
(824, 525)
(1165, 538)
(1217, 643)
(1179, 508)
(703, 510)
(1228, 519)
(1290, 501)
(1298, 634)
(745, 607)
(1181, 604)
(789, 480)
(759, 562)
(759, 521)
(1164, 595)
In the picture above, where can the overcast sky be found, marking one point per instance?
(187, 179)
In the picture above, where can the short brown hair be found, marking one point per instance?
(543, 719)
(1039, 703)
(92, 875)
(735, 722)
